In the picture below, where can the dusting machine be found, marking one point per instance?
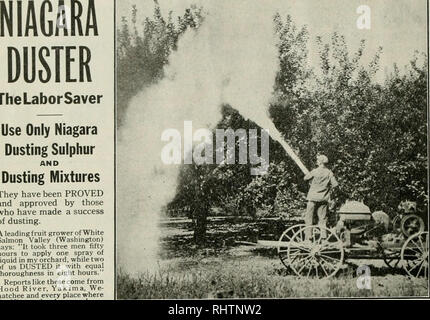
(358, 233)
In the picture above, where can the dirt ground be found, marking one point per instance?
(223, 269)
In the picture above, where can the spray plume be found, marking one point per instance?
(232, 58)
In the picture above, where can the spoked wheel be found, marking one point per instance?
(284, 240)
(415, 255)
(312, 254)
(392, 258)
(411, 224)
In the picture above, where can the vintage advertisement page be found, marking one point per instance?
(199, 150)
(57, 149)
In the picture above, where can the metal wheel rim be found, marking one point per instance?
(315, 258)
(282, 250)
(415, 255)
(411, 224)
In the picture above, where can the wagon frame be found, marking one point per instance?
(324, 256)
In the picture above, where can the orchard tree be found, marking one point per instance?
(374, 133)
(144, 49)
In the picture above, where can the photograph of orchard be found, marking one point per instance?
(354, 93)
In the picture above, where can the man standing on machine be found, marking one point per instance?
(322, 183)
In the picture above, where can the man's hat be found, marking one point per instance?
(322, 159)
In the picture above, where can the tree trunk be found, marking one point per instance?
(200, 226)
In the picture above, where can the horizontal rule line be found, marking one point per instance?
(50, 115)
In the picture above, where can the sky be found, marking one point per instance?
(399, 26)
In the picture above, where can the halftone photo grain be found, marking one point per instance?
(271, 149)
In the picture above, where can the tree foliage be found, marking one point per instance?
(143, 50)
(375, 134)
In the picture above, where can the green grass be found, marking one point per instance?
(229, 276)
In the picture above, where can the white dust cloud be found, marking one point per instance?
(232, 58)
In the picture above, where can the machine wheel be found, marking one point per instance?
(392, 259)
(415, 255)
(316, 256)
(411, 224)
(284, 241)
